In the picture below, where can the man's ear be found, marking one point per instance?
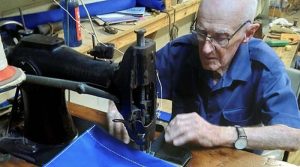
(251, 31)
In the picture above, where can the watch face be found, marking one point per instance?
(240, 143)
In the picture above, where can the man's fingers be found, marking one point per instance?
(179, 136)
(183, 139)
(111, 115)
(118, 130)
(172, 133)
(126, 138)
(110, 127)
(178, 129)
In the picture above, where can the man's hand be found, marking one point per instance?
(186, 129)
(116, 129)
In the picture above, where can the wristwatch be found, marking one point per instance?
(241, 142)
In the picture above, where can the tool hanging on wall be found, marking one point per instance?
(173, 28)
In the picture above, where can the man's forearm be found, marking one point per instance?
(273, 137)
(265, 138)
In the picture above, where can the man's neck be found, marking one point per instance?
(217, 75)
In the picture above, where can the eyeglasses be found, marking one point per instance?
(223, 41)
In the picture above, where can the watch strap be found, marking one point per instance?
(241, 141)
(240, 131)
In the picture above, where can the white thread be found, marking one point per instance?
(88, 132)
(161, 92)
(67, 147)
(102, 145)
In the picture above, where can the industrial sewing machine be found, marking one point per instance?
(41, 125)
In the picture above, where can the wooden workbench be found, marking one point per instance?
(151, 23)
(287, 56)
(216, 157)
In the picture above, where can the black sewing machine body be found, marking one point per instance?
(47, 125)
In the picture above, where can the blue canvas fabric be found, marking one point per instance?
(254, 90)
(164, 116)
(96, 148)
(56, 15)
(153, 4)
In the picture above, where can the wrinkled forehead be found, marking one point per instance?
(219, 15)
(214, 26)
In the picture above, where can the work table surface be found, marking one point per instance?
(286, 55)
(216, 157)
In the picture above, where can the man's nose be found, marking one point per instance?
(207, 47)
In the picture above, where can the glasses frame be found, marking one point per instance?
(211, 38)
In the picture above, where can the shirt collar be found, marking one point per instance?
(240, 68)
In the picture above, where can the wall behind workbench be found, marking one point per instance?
(11, 7)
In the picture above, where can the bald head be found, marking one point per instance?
(239, 10)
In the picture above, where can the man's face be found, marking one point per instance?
(217, 51)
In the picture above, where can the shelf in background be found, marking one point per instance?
(151, 24)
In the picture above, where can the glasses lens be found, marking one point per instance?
(222, 41)
(200, 36)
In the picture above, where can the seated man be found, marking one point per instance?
(224, 83)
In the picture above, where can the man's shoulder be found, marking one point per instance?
(185, 40)
(183, 46)
(261, 53)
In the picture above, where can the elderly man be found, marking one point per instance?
(224, 83)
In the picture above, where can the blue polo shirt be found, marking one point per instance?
(254, 90)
